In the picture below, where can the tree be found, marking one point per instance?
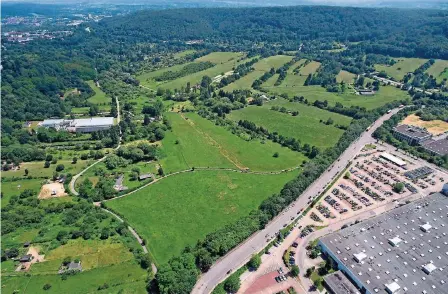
(254, 262)
(232, 284)
(94, 110)
(47, 164)
(66, 260)
(160, 171)
(347, 175)
(294, 271)
(203, 260)
(276, 154)
(398, 187)
(26, 172)
(46, 286)
(75, 160)
(60, 167)
(309, 271)
(145, 261)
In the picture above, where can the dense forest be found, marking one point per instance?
(421, 33)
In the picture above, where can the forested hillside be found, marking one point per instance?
(388, 31)
(35, 76)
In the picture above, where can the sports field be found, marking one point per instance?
(439, 70)
(306, 126)
(182, 209)
(402, 67)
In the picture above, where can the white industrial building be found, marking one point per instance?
(82, 125)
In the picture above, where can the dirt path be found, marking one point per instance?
(213, 142)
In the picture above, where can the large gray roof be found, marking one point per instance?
(412, 131)
(93, 121)
(403, 264)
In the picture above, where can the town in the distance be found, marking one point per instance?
(224, 148)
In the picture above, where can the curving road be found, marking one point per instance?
(241, 254)
(71, 185)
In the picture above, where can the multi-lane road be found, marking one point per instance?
(241, 254)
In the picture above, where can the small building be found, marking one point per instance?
(392, 288)
(429, 268)
(395, 160)
(365, 92)
(425, 227)
(74, 266)
(145, 176)
(26, 258)
(395, 241)
(359, 256)
(411, 134)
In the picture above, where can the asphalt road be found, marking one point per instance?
(241, 254)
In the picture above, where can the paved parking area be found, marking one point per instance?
(370, 183)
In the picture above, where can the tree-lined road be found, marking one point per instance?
(242, 253)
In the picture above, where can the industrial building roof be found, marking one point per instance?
(437, 146)
(340, 284)
(416, 264)
(412, 131)
(393, 159)
(93, 121)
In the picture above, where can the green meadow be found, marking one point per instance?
(306, 126)
(401, 67)
(182, 209)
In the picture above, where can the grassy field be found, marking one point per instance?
(310, 68)
(16, 187)
(183, 53)
(85, 110)
(202, 144)
(99, 97)
(91, 253)
(254, 154)
(36, 169)
(260, 67)
(293, 86)
(219, 57)
(402, 67)
(182, 209)
(346, 77)
(435, 127)
(224, 61)
(304, 127)
(127, 275)
(439, 70)
(185, 147)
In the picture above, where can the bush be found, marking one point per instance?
(254, 262)
(47, 164)
(398, 187)
(276, 154)
(46, 286)
(295, 271)
(232, 284)
(60, 167)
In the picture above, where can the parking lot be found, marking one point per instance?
(371, 181)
